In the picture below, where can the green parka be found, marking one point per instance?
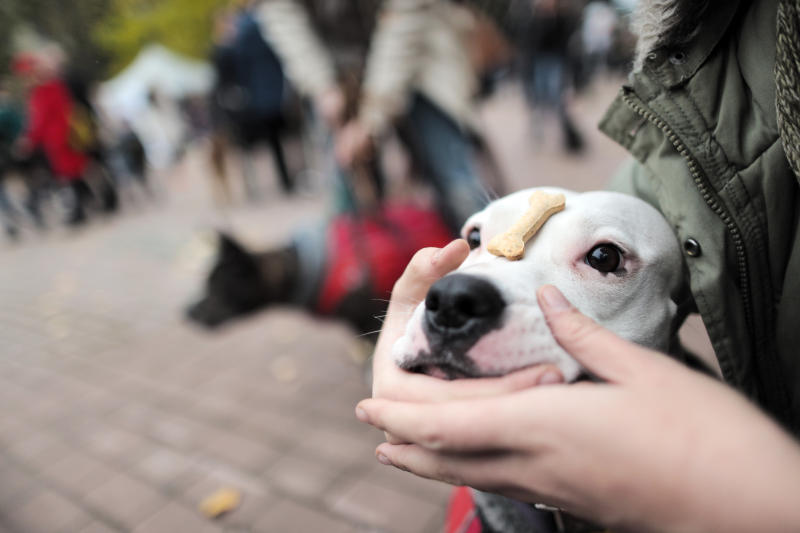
(700, 122)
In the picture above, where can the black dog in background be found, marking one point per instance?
(344, 269)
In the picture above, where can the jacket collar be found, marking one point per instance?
(677, 36)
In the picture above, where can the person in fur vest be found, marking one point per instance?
(711, 117)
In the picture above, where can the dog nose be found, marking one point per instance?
(461, 301)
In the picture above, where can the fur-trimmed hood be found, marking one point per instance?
(665, 23)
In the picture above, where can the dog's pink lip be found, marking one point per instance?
(435, 372)
(438, 370)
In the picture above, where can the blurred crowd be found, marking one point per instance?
(347, 78)
(52, 141)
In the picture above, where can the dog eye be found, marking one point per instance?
(474, 238)
(604, 258)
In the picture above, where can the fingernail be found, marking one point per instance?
(361, 414)
(551, 377)
(553, 299)
(382, 459)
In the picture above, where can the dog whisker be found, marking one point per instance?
(489, 194)
(367, 334)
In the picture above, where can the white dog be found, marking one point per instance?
(613, 256)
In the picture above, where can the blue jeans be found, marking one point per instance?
(546, 81)
(445, 154)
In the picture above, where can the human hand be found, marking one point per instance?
(331, 105)
(657, 447)
(391, 382)
(354, 144)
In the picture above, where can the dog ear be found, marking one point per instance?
(229, 247)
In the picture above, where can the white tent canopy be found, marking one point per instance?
(156, 67)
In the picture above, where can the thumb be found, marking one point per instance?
(424, 269)
(597, 349)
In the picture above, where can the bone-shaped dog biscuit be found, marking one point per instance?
(511, 244)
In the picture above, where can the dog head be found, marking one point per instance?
(241, 282)
(613, 256)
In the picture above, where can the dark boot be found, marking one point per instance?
(77, 213)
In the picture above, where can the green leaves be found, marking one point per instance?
(184, 26)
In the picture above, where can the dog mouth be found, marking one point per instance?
(443, 366)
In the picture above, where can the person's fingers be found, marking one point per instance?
(422, 388)
(486, 424)
(425, 268)
(404, 386)
(484, 474)
(600, 351)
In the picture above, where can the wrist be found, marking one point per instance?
(760, 482)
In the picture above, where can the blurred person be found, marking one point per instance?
(490, 49)
(11, 125)
(322, 46)
(85, 136)
(259, 110)
(161, 129)
(224, 99)
(417, 78)
(51, 127)
(597, 35)
(128, 160)
(547, 66)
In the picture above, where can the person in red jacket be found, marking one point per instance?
(50, 125)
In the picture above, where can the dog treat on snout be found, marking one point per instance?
(511, 244)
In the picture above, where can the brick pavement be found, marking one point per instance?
(118, 416)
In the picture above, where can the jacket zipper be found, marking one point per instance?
(702, 187)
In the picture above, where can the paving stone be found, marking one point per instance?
(116, 444)
(251, 508)
(125, 500)
(239, 451)
(48, 512)
(79, 473)
(400, 481)
(217, 409)
(177, 432)
(330, 443)
(256, 497)
(264, 423)
(218, 476)
(287, 516)
(174, 517)
(99, 527)
(16, 484)
(167, 469)
(378, 506)
(301, 476)
(37, 448)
